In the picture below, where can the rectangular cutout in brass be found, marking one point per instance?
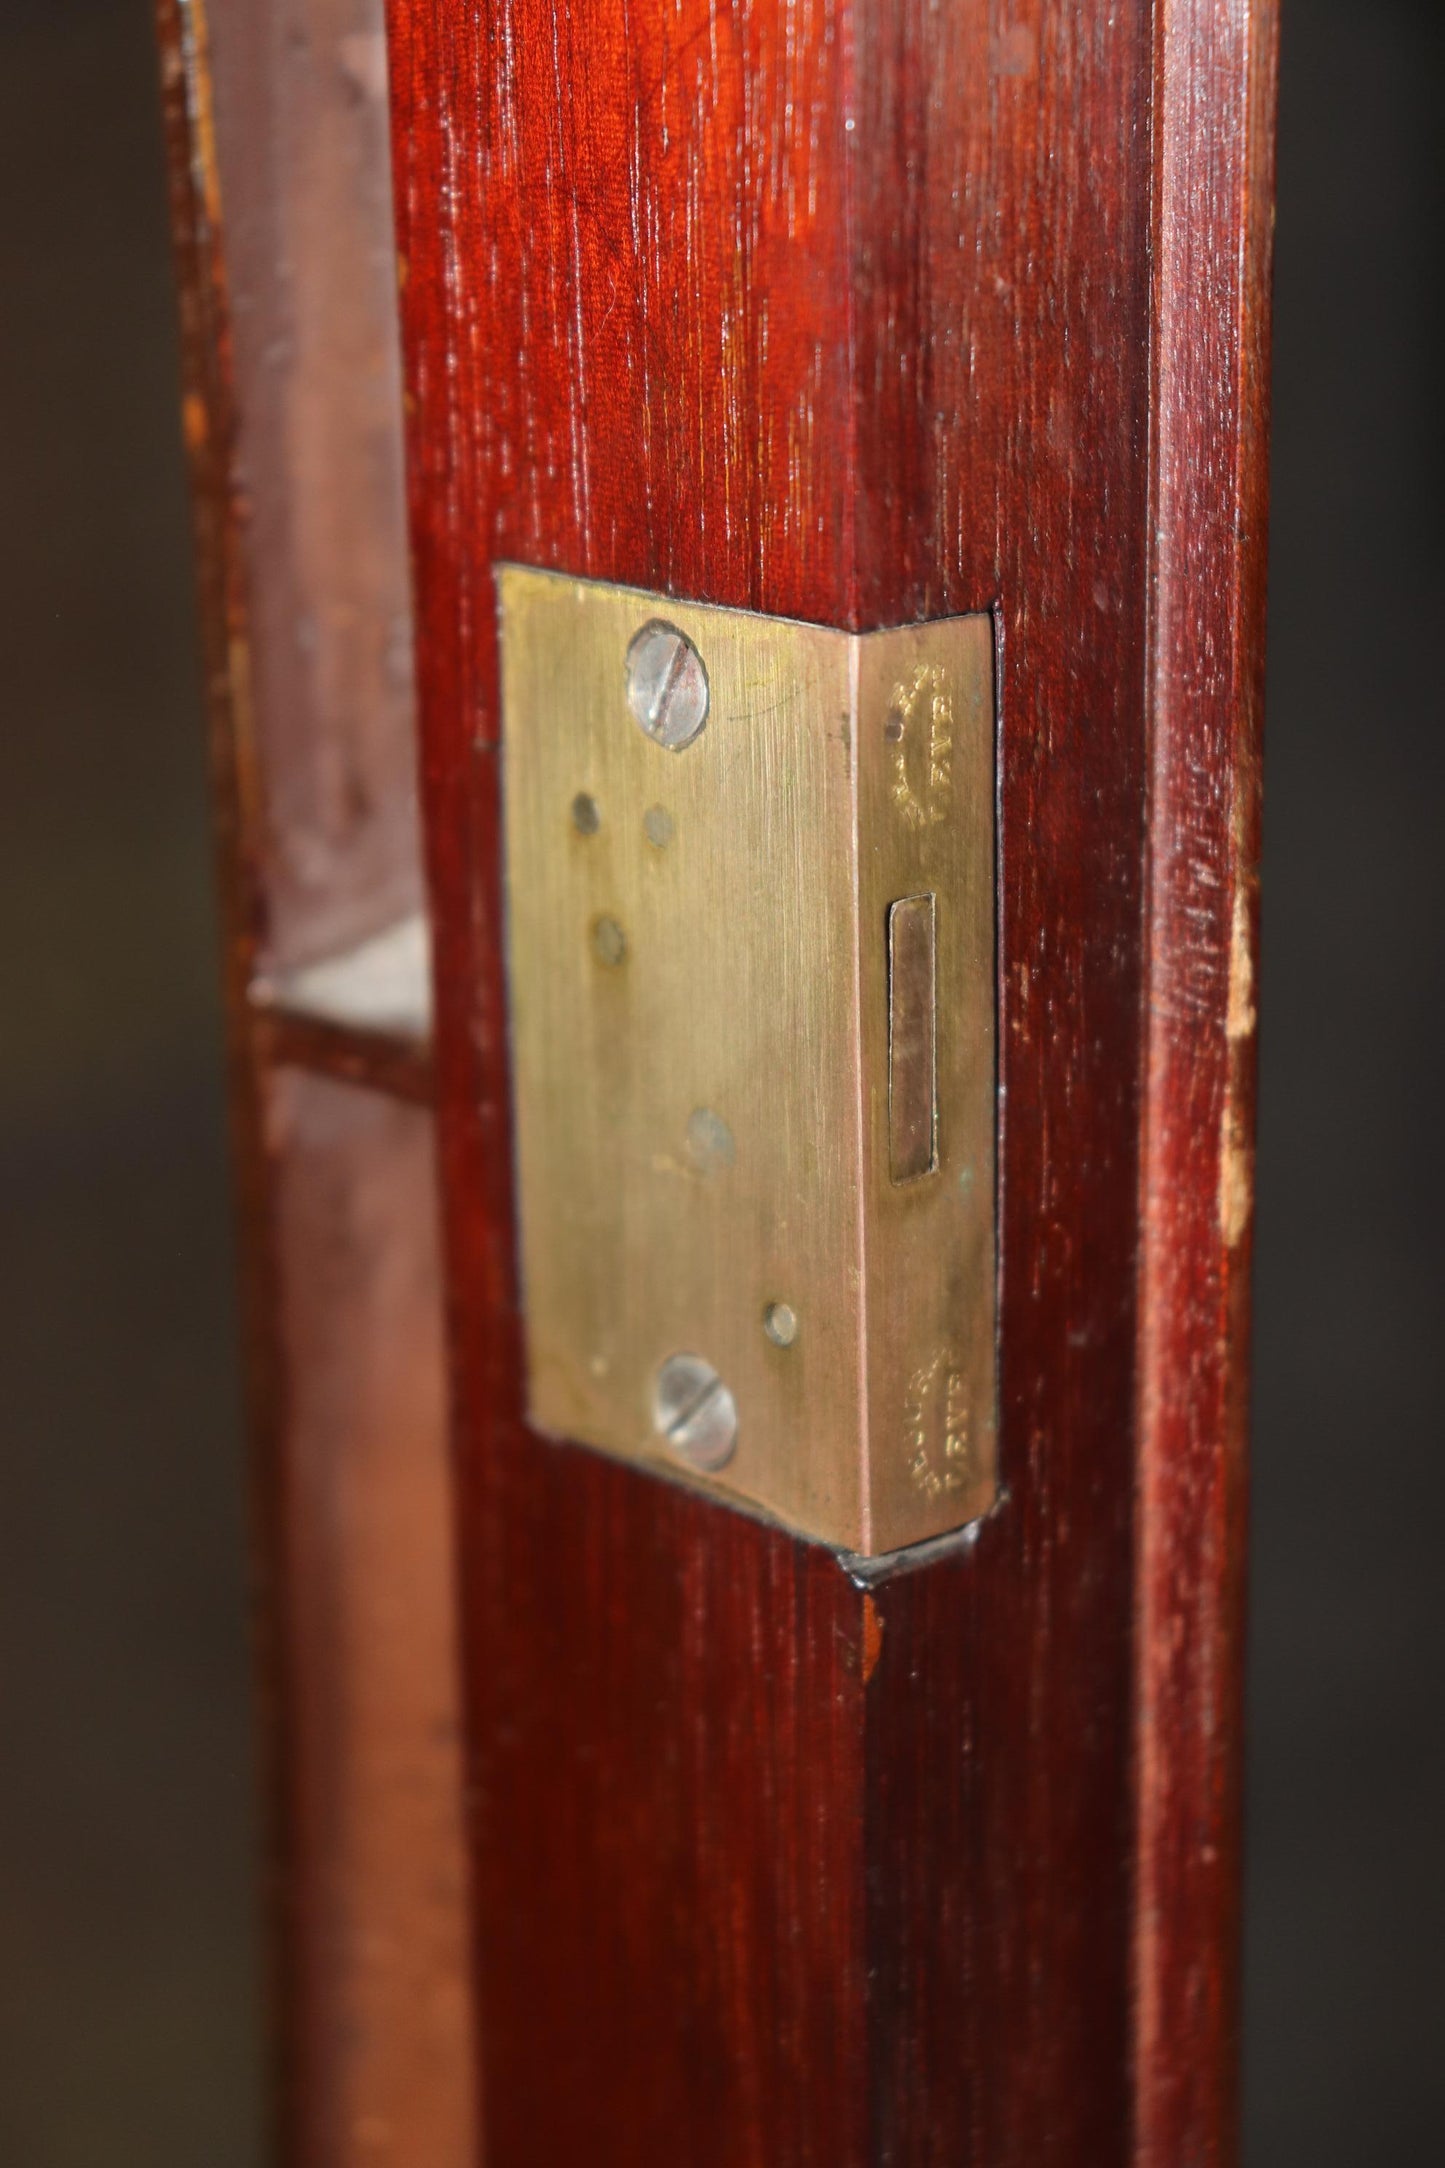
(912, 1074)
(750, 895)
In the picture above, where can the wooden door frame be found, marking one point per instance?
(942, 1863)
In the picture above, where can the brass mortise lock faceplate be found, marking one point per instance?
(750, 895)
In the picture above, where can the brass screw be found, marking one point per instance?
(780, 1323)
(694, 1411)
(667, 688)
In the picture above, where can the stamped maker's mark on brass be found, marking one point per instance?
(940, 1458)
(919, 729)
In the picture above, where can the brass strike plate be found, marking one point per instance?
(750, 893)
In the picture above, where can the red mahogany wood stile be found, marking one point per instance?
(1209, 409)
(863, 314)
(867, 313)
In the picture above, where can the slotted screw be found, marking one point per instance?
(667, 688)
(694, 1411)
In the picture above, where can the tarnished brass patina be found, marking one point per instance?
(750, 895)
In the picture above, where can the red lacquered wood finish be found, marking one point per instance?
(1213, 227)
(866, 313)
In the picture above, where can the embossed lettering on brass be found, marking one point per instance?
(751, 954)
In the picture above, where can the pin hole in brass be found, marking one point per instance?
(609, 942)
(586, 814)
(711, 1146)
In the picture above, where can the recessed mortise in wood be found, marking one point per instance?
(753, 1019)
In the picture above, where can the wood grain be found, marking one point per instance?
(848, 313)
(1214, 211)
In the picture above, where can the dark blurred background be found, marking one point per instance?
(129, 2028)
(129, 2035)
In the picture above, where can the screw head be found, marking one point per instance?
(780, 1323)
(667, 688)
(694, 1411)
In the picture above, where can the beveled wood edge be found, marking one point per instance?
(1215, 83)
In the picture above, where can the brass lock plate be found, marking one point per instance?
(750, 871)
